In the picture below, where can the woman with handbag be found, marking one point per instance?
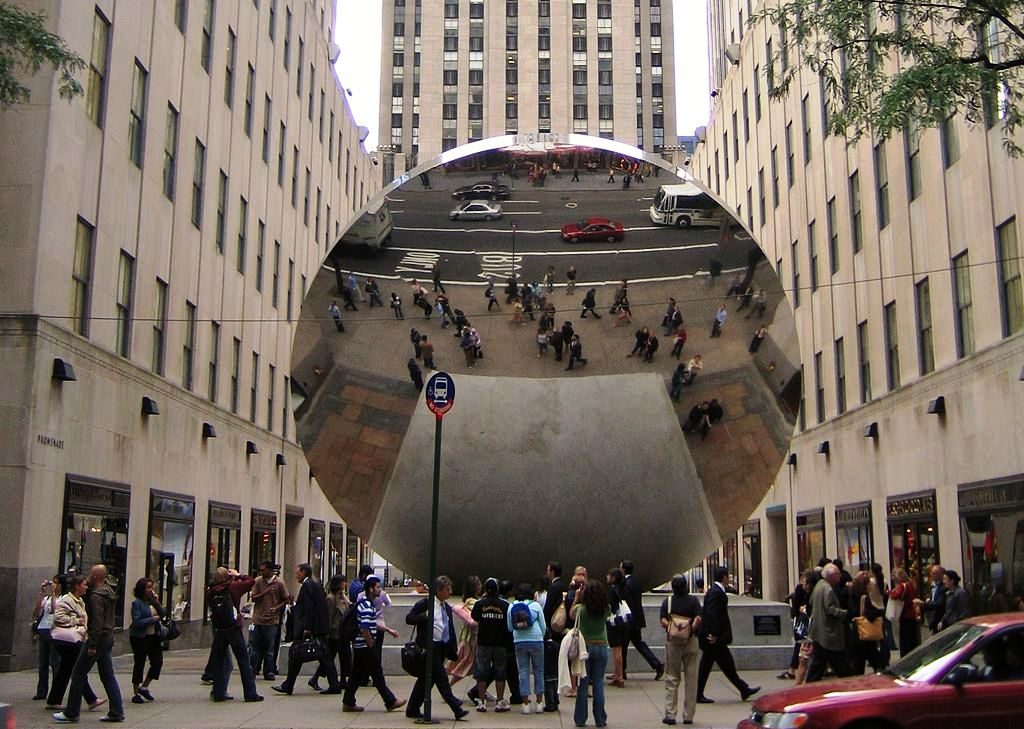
(144, 635)
(591, 611)
(68, 634)
(680, 617)
(618, 630)
(462, 666)
(905, 592)
(869, 626)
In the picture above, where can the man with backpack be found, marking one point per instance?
(222, 600)
(269, 595)
(311, 621)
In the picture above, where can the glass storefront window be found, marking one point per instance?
(95, 532)
(225, 534)
(352, 555)
(810, 538)
(336, 551)
(732, 563)
(913, 536)
(263, 539)
(171, 541)
(853, 535)
(992, 542)
(316, 549)
(752, 559)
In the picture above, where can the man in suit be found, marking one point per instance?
(310, 620)
(553, 639)
(715, 636)
(935, 606)
(442, 632)
(634, 598)
(828, 627)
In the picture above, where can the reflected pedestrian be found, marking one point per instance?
(679, 341)
(396, 305)
(427, 350)
(335, 313)
(589, 304)
(575, 352)
(716, 327)
(415, 373)
(570, 280)
(373, 291)
(759, 336)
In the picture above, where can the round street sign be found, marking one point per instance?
(440, 393)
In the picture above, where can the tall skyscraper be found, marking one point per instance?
(455, 71)
(158, 237)
(901, 259)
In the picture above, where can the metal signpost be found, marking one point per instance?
(440, 394)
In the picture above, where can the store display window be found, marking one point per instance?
(752, 558)
(992, 542)
(262, 539)
(853, 535)
(336, 551)
(169, 558)
(316, 549)
(810, 538)
(913, 536)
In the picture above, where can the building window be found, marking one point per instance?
(295, 177)
(805, 124)
(833, 236)
(250, 99)
(276, 280)
(1011, 293)
(170, 152)
(892, 346)
(757, 93)
(271, 387)
(840, 356)
(795, 273)
(291, 286)
(137, 119)
(775, 177)
(81, 277)
(882, 182)
(760, 192)
(305, 200)
(298, 68)
(790, 177)
(159, 327)
(222, 204)
(963, 303)
(198, 181)
(812, 249)
(125, 294)
(266, 129)
(96, 87)
(261, 241)
(863, 362)
(214, 361)
(236, 368)
(912, 144)
(243, 232)
(223, 538)
(180, 14)
(819, 389)
(189, 346)
(287, 37)
(229, 69)
(272, 25)
(923, 305)
(949, 138)
(856, 228)
(746, 117)
(254, 386)
(169, 557)
(206, 49)
(282, 144)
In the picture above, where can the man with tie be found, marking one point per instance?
(445, 646)
(715, 636)
(935, 606)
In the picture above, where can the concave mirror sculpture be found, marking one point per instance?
(588, 466)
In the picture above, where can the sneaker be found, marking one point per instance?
(111, 718)
(481, 706)
(136, 699)
(502, 706)
(61, 718)
(144, 693)
(526, 707)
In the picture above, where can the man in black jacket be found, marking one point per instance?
(310, 619)
(553, 639)
(634, 598)
(715, 635)
(442, 632)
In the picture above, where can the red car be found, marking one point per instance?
(969, 675)
(593, 229)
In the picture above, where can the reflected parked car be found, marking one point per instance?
(970, 674)
(593, 229)
(481, 191)
(476, 210)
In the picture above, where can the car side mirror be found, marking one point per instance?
(963, 673)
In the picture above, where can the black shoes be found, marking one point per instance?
(704, 700)
(460, 713)
(282, 689)
(254, 699)
(668, 720)
(748, 692)
(313, 684)
(659, 672)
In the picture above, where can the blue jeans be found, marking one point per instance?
(223, 641)
(530, 654)
(105, 668)
(262, 642)
(597, 660)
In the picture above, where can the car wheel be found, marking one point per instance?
(574, 239)
(610, 239)
(488, 218)
(454, 217)
(683, 222)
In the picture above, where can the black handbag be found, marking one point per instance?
(309, 649)
(169, 629)
(414, 658)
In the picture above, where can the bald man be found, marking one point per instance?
(101, 604)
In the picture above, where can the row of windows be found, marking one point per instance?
(1011, 295)
(124, 304)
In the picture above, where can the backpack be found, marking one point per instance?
(349, 628)
(223, 614)
(522, 616)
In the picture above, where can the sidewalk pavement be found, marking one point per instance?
(595, 182)
(182, 701)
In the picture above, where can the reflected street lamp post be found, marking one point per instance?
(514, 228)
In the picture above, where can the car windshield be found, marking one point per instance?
(919, 662)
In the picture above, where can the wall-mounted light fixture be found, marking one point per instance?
(823, 448)
(250, 448)
(149, 406)
(280, 461)
(209, 431)
(937, 406)
(871, 430)
(63, 371)
(791, 461)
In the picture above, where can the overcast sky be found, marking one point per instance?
(359, 32)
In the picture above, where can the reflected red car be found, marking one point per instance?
(593, 229)
(969, 675)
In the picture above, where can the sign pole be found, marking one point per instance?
(440, 395)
